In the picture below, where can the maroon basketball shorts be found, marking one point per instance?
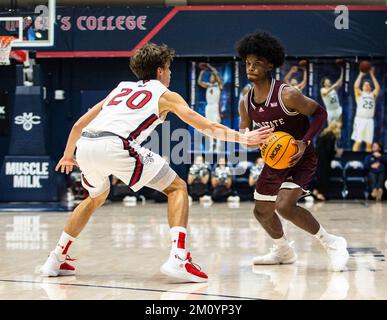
(272, 180)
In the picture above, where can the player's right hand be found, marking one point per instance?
(258, 136)
(66, 165)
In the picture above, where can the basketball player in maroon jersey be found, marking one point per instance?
(275, 103)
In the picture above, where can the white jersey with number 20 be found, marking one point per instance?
(131, 110)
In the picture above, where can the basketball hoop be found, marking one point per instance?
(5, 49)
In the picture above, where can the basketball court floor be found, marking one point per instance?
(120, 252)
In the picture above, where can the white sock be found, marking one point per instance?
(323, 236)
(281, 242)
(63, 245)
(178, 238)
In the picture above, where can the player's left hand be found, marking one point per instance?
(66, 164)
(301, 149)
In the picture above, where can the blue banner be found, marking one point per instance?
(193, 31)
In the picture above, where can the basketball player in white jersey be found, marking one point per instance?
(363, 125)
(331, 99)
(108, 140)
(293, 81)
(213, 106)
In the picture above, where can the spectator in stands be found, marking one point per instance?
(326, 150)
(198, 178)
(221, 181)
(376, 164)
(119, 190)
(255, 171)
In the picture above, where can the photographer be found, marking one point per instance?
(198, 178)
(221, 181)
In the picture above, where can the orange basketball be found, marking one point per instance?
(277, 150)
(365, 66)
(303, 63)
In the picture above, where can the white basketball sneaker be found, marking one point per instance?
(337, 251)
(277, 255)
(183, 269)
(53, 267)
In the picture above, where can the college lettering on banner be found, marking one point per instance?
(103, 23)
(104, 29)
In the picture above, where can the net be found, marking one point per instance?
(5, 49)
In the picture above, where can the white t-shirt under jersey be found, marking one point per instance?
(131, 108)
(365, 105)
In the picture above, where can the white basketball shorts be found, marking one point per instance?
(363, 130)
(136, 166)
(334, 114)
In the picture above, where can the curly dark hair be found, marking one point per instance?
(145, 61)
(262, 44)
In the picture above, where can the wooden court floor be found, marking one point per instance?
(120, 252)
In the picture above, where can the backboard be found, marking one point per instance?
(32, 25)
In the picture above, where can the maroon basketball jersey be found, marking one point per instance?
(273, 112)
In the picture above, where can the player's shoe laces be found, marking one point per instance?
(277, 255)
(53, 267)
(183, 269)
(337, 251)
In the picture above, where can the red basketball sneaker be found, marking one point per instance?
(183, 269)
(53, 267)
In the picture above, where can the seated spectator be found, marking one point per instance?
(221, 181)
(326, 151)
(376, 164)
(198, 178)
(77, 189)
(119, 190)
(255, 171)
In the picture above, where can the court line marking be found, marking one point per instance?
(129, 288)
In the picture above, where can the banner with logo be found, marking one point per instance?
(27, 173)
(28, 122)
(117, 31)
(28, 178)
(211, 96)
(331, 82)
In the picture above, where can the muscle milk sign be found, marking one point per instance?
(27, 174)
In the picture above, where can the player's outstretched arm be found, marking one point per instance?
(217, 76)
(356, 85)
(67, 162)
(292, 71)
(339, 81)
(173, 102)
(245, 123)
(375, 82)
(200, 80)
(302, 85)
